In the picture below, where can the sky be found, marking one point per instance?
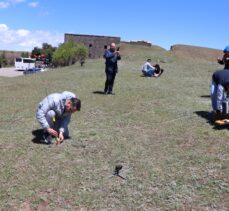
(25, 24)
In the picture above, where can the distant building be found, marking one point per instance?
(138, 42)
(95, 44)
(141, 42)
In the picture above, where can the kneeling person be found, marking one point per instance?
(54, 114)
(150, 70)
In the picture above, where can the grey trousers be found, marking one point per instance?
(217, 96)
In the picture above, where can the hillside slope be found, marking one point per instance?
(195, 52)
(158, 129)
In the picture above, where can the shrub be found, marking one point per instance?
(69, 53)
(3, 60)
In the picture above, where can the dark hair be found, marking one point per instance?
(157, 68)
(76, 103)
(148, 60)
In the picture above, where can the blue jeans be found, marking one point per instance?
(149, 72)
(50, 116)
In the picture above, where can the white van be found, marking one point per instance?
(24, 63)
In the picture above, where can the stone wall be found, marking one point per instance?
(138, 42)
(94, 43)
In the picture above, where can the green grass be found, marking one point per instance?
(172, 158)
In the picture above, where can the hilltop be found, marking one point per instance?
(180, 51)
(196, 52)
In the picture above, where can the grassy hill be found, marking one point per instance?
(158, 129)
(196, 52)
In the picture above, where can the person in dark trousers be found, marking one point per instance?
(225, 56)
(111, 67)
(219, 86)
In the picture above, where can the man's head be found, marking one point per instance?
(148, 60)
(112, 47)
(72, 105)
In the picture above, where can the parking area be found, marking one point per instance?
(10, 72)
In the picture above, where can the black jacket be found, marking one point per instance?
(111, 60)
(221, 77)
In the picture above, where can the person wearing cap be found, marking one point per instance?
(225, 56)
(220, 86)
(150, 70)
(111, 55)
(54, 114)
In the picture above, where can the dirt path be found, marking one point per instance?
(10, 72)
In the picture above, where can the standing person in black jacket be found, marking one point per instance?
(111, 67)
(220, 85)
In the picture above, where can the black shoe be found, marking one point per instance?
(67, 137)
(47, 138)
(111, 93)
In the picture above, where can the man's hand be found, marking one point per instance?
(52, 132)
(61, 137)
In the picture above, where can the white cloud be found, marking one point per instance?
(33, 4)
(8, 3)
(17, 1)
(4, 4)
(3, 27)
(22, 32)
(26, 40)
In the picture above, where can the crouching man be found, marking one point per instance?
(54, 114)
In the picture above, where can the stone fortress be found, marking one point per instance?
(96, 44)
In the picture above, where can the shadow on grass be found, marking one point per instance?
(211, 119)
(205, 96)
(37, 139)
(99, 92)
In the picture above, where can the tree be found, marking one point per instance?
(43, 54)
(10, 58)
(36, 53)
(82, 52)
(25, 54)
(69, 53)
(47, 51)
(3, 60)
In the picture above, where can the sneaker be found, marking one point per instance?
(47, 138)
